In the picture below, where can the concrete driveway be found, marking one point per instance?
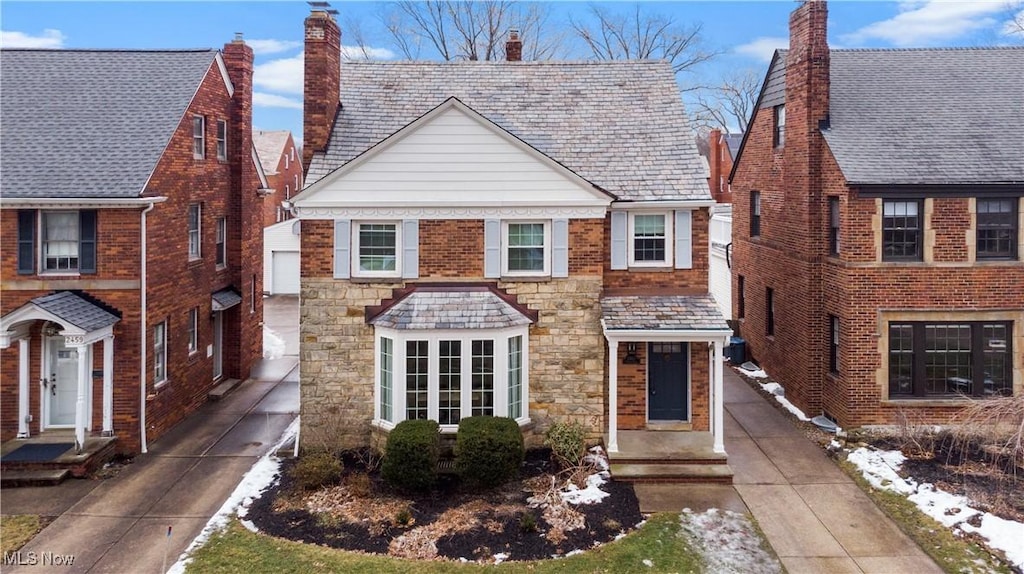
(120, 524)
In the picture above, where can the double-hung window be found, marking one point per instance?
(650, 239)
(193, 330)
(833, 226)
(60, 233)
(769, 306)
(778, 126)
(198, 137)
(755, 213)
(997, 228)
(376, 251)
(222, 242)
(527, 249)
(972, 358)
(901, 230)
(160, 352)
(222, 140)
(833, 344)
(195, 250)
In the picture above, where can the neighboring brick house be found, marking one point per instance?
(722, 150)
(282, 163)
(132, 233)
(504, 238)
(876, 240)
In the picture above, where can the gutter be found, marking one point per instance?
(142, 331)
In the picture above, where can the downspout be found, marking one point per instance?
(142, 336)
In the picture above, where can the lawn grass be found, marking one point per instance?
(17, 529)
(239, 550)
(952, 553)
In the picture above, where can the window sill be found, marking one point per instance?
(662, 268)
(220, 268)
(526, 278)
(381, 279)
(195, 261)
(995, 262)
(927, 401)
(49, 274)
(525, 424)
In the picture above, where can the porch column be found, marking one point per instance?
(84, 371)
(108, 386)
(613, 396)
(717, 368)
(23, 387)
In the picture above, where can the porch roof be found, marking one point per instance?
(662, 313)
(470, 308)
(76, 310)
(225, 299)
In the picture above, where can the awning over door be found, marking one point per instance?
(225, 299)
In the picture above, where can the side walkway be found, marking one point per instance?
(814, 516)
(120, 524)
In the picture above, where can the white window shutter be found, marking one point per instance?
(492, 248)
(342, 248)
(684, 239)
(620, 242)
(560, 248)
(410, 249)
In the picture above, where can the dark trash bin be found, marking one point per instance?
(736, 351)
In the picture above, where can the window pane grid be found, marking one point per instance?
(160, 352)
(193, 231)
(901, 230)
(997, 228)
(483, 378)
(60, 241)
(416, 380)
(193, 335)
(515, 377)
(386, 377)
(198, 136)
(833, 225)
(996, 360)
(649, 238)
(526, 247)
(947, 359)
(901, 359)
(450, 383)
(377, 247)
(950, 359)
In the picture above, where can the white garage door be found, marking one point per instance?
(286, 272)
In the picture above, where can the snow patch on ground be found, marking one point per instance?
(262, 475)
(273, 344)
(776, 390)
(592, 493)
(727, 542)
(755, 374)
(881, 469)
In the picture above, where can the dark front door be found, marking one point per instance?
(666, 381)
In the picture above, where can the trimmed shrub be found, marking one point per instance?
(488, 450)
(410, 457)
(316, 469)
(567, 442)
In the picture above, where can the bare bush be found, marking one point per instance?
(913, 437)
(995, 427)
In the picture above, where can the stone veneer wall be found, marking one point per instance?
(567, 359)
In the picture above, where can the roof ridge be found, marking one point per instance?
(647, 61)
(114, 50)
(933, 49)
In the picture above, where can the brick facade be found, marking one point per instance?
(174, 285)
(719, 166)
(791, 256)
(285, 178)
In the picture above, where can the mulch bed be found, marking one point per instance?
(450, 522)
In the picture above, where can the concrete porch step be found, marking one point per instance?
(33, 477)
(641, 459)
(673, 473)
(221, 390)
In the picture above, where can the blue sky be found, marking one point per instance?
(746, 32)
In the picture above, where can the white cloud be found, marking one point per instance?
(927, 22)
(762, 48)
(367, 53)
(274, 101)
(281, 75)
(50, 38)
(272, 46)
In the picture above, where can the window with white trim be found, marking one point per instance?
(650, 239)
(222, 140)
(198, 137)
(449, 375)
(526, 248)
(160, 352)
(222, 242)
(193, 330)
(375, 249)
(195, 250)
(60, 239)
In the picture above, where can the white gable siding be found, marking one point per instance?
(719, 274)
(457, 160)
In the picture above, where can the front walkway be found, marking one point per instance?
(120, 524)
(812, 514)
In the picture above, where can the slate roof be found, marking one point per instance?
(76, 310)
(269, 147)
(927, 116)
(90, 123)
(732, 143)
(620, 125)
(662, 313)
(225, 299)
(454, 309)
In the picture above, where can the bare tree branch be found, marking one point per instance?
(728, 105)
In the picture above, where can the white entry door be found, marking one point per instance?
(62, 388)
(218, 345)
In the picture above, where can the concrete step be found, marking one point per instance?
(221, 390)
(675, 473)
(45, 477)
(666, 459)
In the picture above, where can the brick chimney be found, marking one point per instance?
(322, 82)
(245, 254)
(715, 163)
(513, 47)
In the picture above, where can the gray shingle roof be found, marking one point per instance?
(662, 312)
(928, 116)
(225, 299)
(76, 311)
(620, 125)
(732, 142)
(269, 147)
(90, 123)
(455, 309)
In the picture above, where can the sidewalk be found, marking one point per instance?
(812, 514)
(120, 525)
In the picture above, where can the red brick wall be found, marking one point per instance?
(695, 279)
(321, 83)
(283, 181)
(719, 164)
(632, 388)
